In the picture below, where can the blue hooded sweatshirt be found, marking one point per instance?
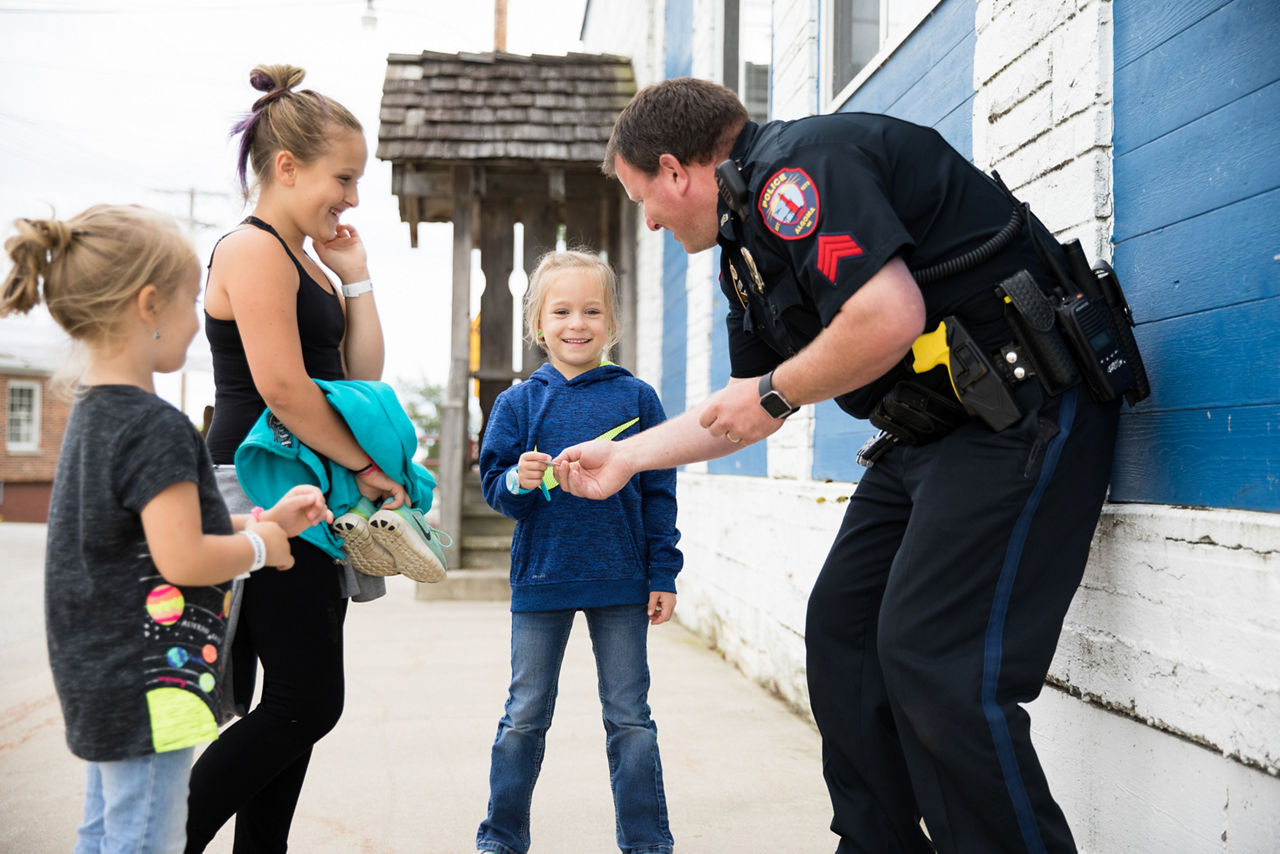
(571, 552)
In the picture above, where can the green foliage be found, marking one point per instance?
(423, 401)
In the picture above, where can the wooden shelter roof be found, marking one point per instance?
(500, 108)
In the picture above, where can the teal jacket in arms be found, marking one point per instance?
(571, 552)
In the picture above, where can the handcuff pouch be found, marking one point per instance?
(915, 414)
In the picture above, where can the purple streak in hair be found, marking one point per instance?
(246, 127)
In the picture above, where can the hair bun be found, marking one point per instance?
(38, 243)
(269, 78)
(53, 235)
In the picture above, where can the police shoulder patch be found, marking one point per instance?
(789, 204)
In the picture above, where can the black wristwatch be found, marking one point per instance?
(772, 400)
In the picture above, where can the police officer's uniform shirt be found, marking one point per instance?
(834, 198)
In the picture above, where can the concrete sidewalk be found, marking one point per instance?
(406, 770)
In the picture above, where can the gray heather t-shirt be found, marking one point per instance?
(135, 659)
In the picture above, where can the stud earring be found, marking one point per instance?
(538, 334)
(157, 334)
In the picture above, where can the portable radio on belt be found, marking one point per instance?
(733, 189)
(1081, 333)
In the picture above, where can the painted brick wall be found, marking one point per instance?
(54, 409)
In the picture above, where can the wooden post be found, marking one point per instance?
(497, 259)
(542, 221)
(622, 255)
(454, 441)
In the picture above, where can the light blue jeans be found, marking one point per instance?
(618, 639)
(136, 806)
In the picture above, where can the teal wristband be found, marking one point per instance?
(513, 483)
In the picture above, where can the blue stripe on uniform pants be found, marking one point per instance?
(994, 645)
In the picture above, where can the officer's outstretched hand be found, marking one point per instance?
(735, 413)
(595, 469)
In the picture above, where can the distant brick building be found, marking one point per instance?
(33, 416)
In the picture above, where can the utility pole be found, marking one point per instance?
(191, 224)
(191, 193)
(500, 25)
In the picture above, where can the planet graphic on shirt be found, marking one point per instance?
(176, 656)
(165, 604)
(206, 682)
(226, 605)
(209, 653)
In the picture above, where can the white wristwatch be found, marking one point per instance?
(355, 289)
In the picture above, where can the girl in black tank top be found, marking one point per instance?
(237, 403)
(273, 326)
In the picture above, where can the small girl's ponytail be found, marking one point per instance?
(33, 250)
(88, 269)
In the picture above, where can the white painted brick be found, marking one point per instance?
(698, 338)
(982, 15)
(1080, 55)
(1082, 134)
(649, 305)
(1177, 622)
(1031, 73)
(708, 46)
(1014, 31)
(1124, 786)
(791, 448)
(1026, 119)
(1075, 193)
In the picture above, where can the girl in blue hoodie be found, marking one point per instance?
(614, 560)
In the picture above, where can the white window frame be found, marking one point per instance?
(20, 447)
(740, 61)
(833, 100)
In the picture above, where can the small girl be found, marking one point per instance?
(140, 544)
(615, 560)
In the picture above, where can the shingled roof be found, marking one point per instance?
(501, 107)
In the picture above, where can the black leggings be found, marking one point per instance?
(254, 771)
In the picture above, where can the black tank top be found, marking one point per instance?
(236, 402)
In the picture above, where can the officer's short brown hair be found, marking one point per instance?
(696, 120)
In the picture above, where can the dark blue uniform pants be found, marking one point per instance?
(936, 615)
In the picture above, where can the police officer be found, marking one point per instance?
(937, 611)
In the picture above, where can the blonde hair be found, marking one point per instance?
(552, 265)
(88, 269)
(283, 120)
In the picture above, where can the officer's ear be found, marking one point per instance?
(670, 169)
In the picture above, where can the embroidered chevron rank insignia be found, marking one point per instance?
(832, 248)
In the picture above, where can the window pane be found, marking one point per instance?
(21, 416)
(860, 33)
(755, 47)
(857, 39)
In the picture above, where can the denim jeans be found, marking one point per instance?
(538, 638)
(137, 806)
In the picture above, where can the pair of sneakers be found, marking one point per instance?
(378, 541)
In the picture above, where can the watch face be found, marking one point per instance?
(774, 404)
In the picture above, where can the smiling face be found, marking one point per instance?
(326, 186)
(575, 324)
(680, 198)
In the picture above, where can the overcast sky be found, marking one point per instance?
(130, 101)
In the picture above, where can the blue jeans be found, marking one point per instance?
(538, 638)
(138, 806)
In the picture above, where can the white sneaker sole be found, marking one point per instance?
(364, 552)
(413, 557)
